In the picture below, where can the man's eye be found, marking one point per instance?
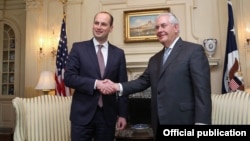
(104, 24)
(161, 25)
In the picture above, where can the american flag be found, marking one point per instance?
(234, 84)
(232, 77)
(61, 58)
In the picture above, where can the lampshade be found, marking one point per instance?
(46, 81)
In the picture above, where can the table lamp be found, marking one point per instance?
(46, 82)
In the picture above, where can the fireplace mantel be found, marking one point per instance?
(141, 65)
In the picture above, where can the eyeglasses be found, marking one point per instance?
(163, 25)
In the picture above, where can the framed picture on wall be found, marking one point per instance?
(139, 24)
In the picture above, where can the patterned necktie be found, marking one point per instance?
(102, 69)
(165, 56)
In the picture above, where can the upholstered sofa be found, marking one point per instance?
(46, 117)
(231, 108)
(42, 118)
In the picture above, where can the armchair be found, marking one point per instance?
(42, 118)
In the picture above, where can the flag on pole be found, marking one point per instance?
(61, 58)
(232, 77)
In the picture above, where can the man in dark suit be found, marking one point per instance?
(89, 118)
(180, 87)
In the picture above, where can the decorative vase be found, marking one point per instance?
(210, 46)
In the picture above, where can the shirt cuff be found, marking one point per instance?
(95, 85)
(121, 90)
(200, 124)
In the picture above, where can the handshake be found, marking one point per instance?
(107, 87)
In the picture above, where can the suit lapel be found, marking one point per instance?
(93, 57)
(111, 57)
(175, 51)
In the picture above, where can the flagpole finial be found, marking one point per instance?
(248, 41)
(63, 1)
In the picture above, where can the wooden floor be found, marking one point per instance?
(6, 134)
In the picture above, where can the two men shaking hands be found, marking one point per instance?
(108, 87)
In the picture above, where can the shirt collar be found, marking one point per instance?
(172, 45)
(105, 44)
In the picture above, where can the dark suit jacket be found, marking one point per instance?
(181, 91)
(82, 70)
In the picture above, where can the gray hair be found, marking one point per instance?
(172, 18)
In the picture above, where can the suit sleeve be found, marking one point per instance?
(200, 74)
(74, 76)
(123, 77)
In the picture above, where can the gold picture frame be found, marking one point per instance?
(139, 24)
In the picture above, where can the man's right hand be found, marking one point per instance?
(107, 86)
